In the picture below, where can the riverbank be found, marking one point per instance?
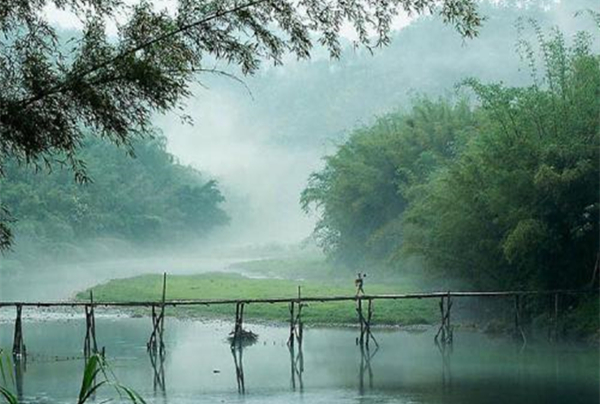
(280, 278)
(237, 286)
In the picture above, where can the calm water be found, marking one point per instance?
(199, 366)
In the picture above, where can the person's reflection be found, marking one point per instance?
(157, 360)
(365, 367)
(237, 351)
(297, 366)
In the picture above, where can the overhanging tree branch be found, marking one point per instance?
(63, 86)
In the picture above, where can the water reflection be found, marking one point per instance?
(157, 360)
(296, 366)
(365, 368)
(445, 351)
(410, 369)
(20, 367)
(237, 351)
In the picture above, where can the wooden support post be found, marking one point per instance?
(156, 340)
(242, 318)
(298, 322)
(90, 345)
(370, 335)
(441, 331)
(236, 331)
(367, 328)
(449, 331)
(290, 341)
(151, 345)
(19, 349)
(296, 330)
(360, 339)
(239, 324)
(86, 342)
(445, 334)
(162, 314)
(365, 323)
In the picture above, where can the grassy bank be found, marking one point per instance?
(232, 286)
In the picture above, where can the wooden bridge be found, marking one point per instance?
(155, 343)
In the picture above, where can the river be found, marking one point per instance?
(200, 367)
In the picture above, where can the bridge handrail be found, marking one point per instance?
(322, 299)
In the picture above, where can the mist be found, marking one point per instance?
(262, 138)
(199, 191)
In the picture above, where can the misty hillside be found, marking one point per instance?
(262, 147)
(150, 199)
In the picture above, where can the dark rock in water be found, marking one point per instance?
(216, 371)
(246, 337)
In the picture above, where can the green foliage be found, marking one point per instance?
(520, 204)
(362, 191)
(501, 194)
(144, 199)
(96, 374)
(6, 367)
(54, 92)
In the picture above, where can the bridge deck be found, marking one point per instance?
(321, 299)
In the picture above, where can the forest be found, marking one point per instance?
(150, 198)
(497, 186)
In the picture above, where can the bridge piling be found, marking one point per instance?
(296, 327)
(156, 341)
(445, 332)
(296, 304)
(90, 345)
(19, 350)
(290, 340)
(365, 323)
(239, 324)
(359, 340)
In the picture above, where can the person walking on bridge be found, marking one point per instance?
(359, 282)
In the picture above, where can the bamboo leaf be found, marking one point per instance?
(8, 396)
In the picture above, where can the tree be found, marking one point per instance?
(503, 193)
(519, 207)
(364, 188)
(54, 91)
(150, 199)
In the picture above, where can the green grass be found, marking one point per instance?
(297, 268)
(235, 286)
